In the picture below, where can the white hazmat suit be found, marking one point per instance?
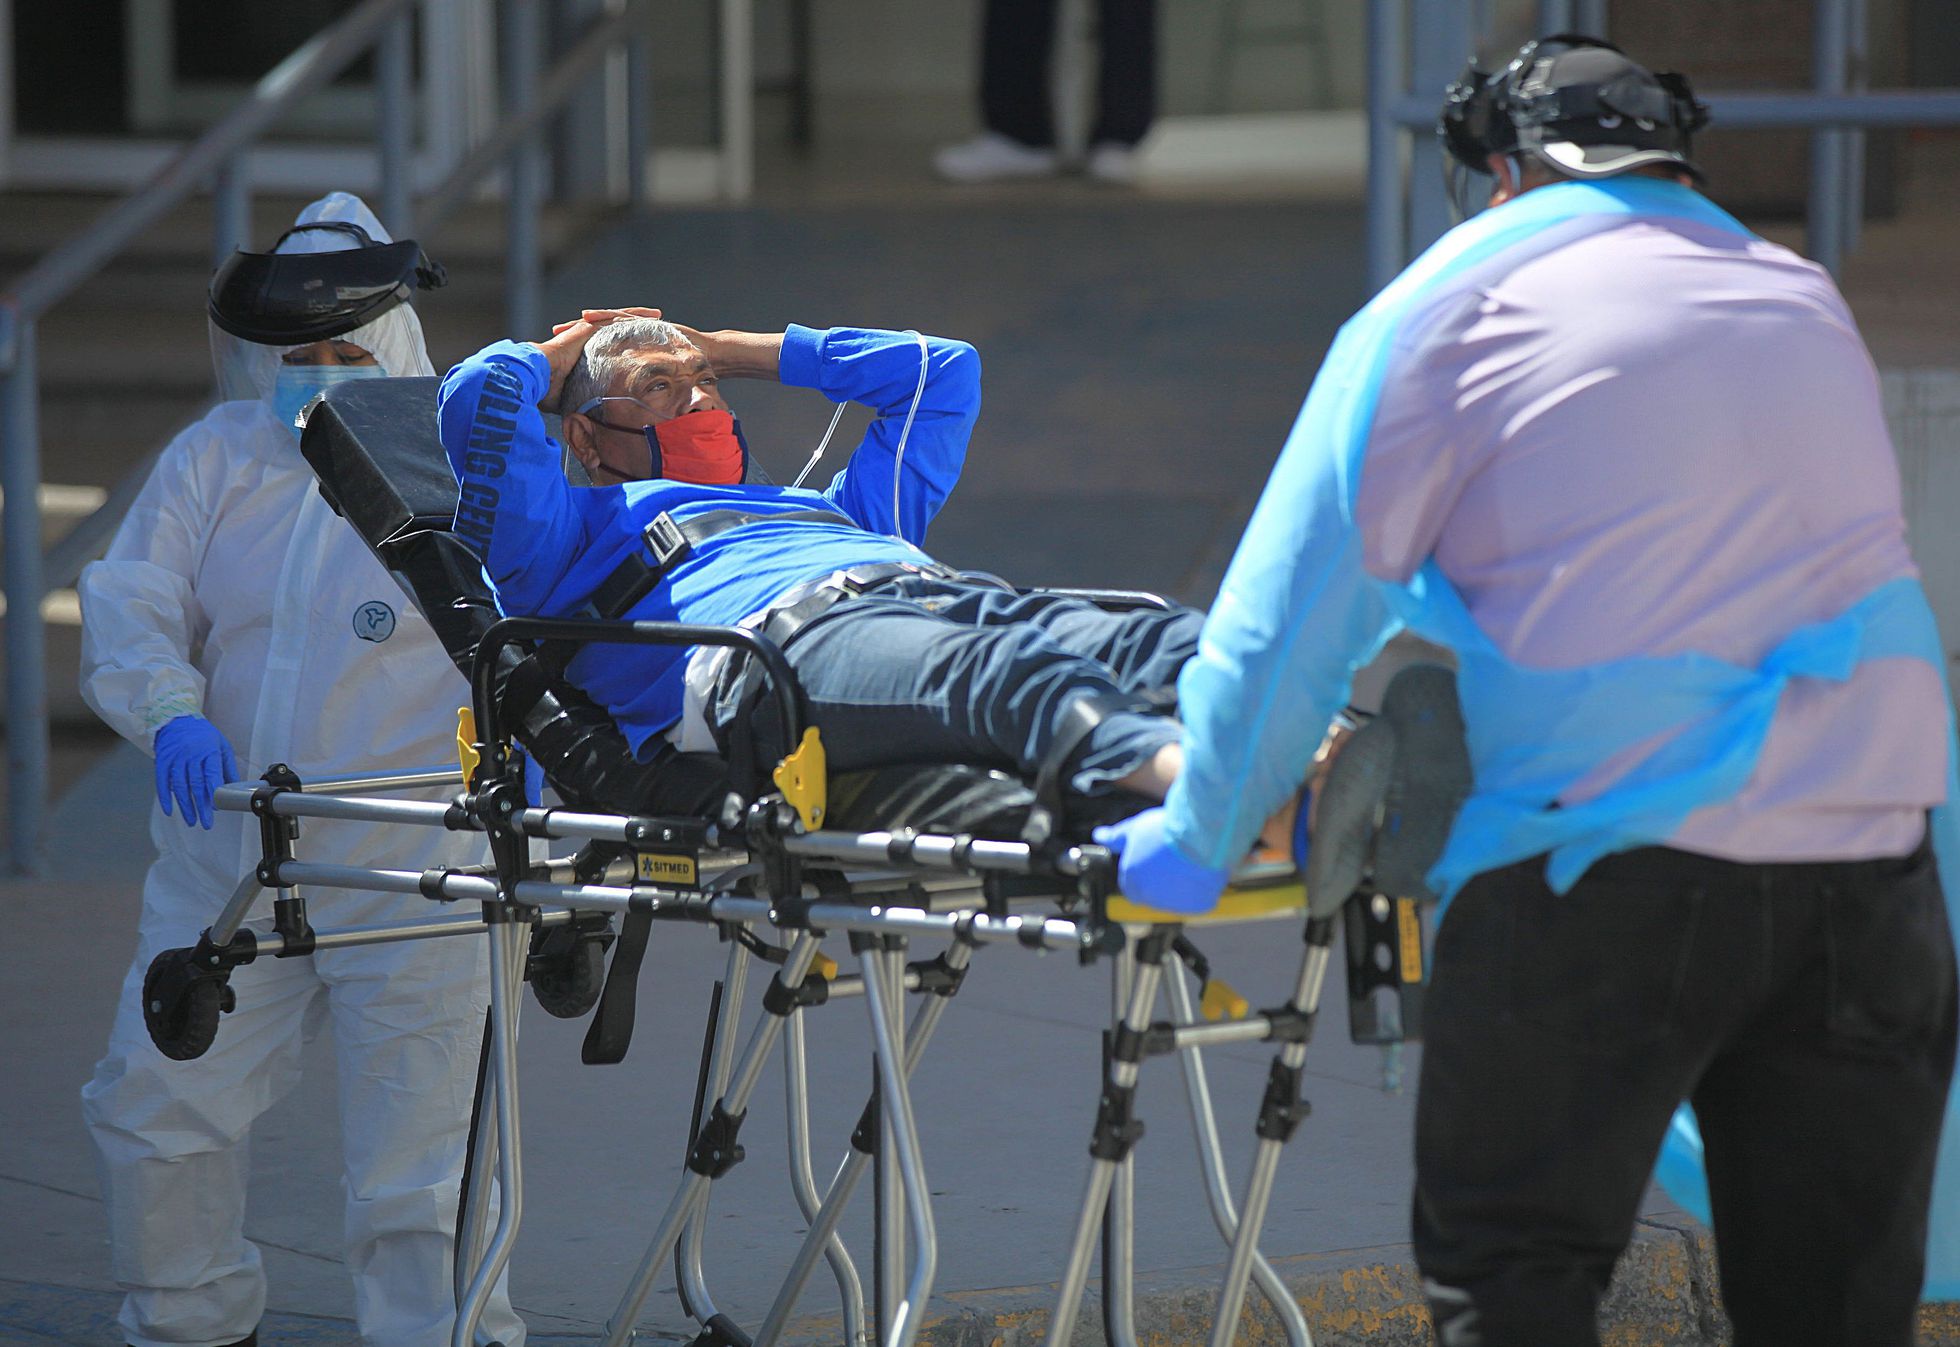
(233, 591)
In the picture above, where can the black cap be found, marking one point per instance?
(1592, 111)
(1580, 103)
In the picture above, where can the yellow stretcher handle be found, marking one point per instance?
(1219, 1001)
(467, 756)
(1235, 904)
(804, 779)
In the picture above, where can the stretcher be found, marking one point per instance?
(779, 866)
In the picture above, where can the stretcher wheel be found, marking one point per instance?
(181, 1005)
(567, 975)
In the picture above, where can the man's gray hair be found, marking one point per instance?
(604, 356)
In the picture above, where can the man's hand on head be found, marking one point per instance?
(703, 341)
(735, 355)
(561, 350)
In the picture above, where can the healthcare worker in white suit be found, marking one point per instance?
(237, 622)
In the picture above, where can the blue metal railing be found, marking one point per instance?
(218, 158)
(1407, 212)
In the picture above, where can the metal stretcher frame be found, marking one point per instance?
(517, 895)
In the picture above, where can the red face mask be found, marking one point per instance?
(705, 448)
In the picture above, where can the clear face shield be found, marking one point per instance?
(335, 275)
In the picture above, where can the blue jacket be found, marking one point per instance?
(546, 544)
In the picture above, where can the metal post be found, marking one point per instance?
(1119, 1218)
(888, 1281)
(1119, 1080)
(1823, 217)
(1442, 41)
(1069, 76)
(231, 207)
(1589, 17)
(394, 111)
(524, 185)
(507, 953)
(237, 908)
(6, 90)
(898, 1322)
(694, 1187)
(1859, 75)
(639, 110)
(453, 69)
(27, 671)
(1211, 1161)
(737, 99)
(473, 1226)
(1554, 16)
(1265, 1164)
(692, 1274)
(803, 1180)
(1386, 37)
(823, 1227)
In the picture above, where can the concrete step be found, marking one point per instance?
(61, 616)
(138, 326)
(141, 326)
(32, 224)
(62, 506)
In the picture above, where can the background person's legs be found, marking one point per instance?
(171, 1137)
(1821, 1122)
(1017, 46)
(1126, 87)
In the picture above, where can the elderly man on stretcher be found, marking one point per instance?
(901, 659)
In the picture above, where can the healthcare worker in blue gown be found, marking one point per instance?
(1627, 460)
(236, 622)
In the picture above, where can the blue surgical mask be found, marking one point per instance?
(297, 385)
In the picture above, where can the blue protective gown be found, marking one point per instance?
(1298, 614)
(546, 545)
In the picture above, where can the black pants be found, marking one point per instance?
(1808, 1013)
(1017, 48)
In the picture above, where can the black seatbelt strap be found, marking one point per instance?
(611, 1029)
(634, 578)
(668, 542)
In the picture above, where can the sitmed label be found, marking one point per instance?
(659, 868)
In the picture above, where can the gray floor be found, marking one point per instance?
(1144, 361)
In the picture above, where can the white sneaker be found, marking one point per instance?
(1112, 162)
(992, 157)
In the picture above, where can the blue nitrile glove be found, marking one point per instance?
(193, 760)
(1154, 872)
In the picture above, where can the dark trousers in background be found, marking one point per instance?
(1017, 52)
(1807, 1011)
